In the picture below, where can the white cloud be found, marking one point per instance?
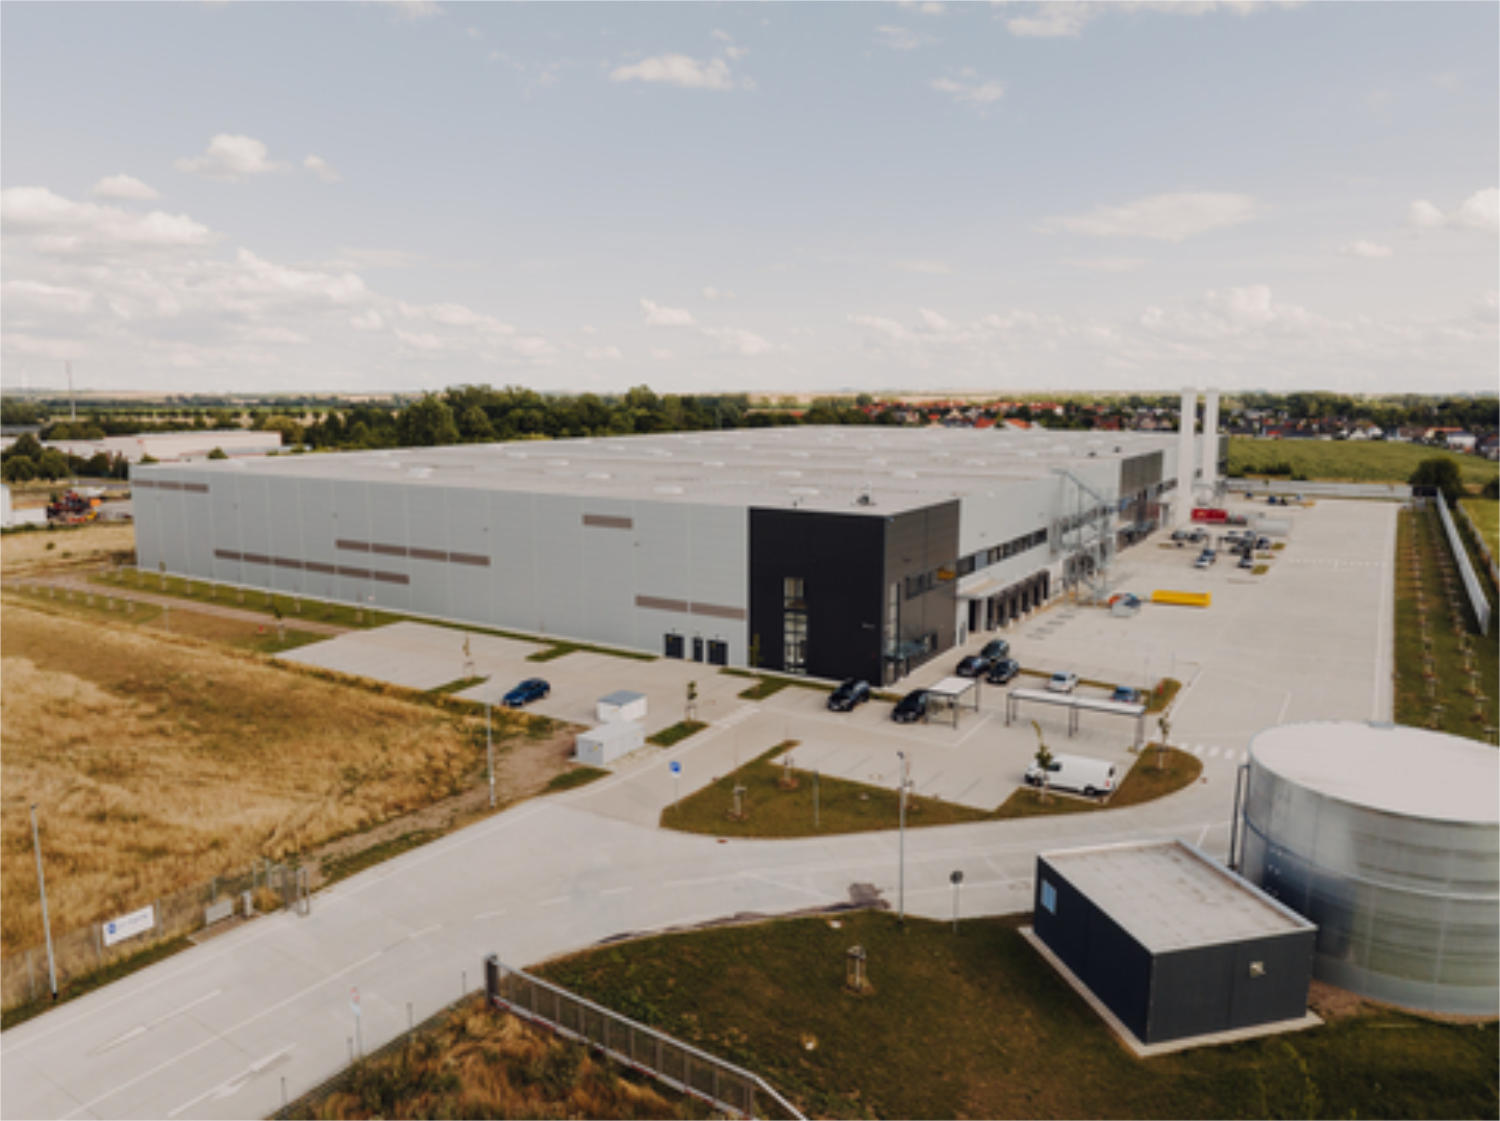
(124, 187)
(280, 335)
(970, 88)
(1480, 211)
(1423, 213)
(737, 341)
(901, 38)
(456, 315)
(31, 293)
(717, 294)
(934, 267)
(321, 169)
(934, 321)
(61, 225)
(1369, 249)
(603, 354)
(923, 7)
(722, 35)
(425, 342)
(1054, 19)
(1170, 217)
(1109, 264)
(661, 355)
(887, 328)
(231, 159)
(658, 316)
(367, 321)
(677, 70)
(412, 9)
(1487, 307)
(473, 33)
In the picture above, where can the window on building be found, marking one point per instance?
(794, 625)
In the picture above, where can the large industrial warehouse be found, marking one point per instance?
(826, 551)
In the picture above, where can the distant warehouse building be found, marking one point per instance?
(829, 551)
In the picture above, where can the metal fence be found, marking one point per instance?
(1477, 599)
(81, 952)
(1260, 487)
(686, 1069)
(1481, 544)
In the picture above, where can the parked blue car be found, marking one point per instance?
(532, 689)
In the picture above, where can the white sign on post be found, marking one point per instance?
(354, 1001)
(128, 926)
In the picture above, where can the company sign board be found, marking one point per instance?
(128, 926)
(1203, 514)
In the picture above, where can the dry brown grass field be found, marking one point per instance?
(25, 554)
(159, 761)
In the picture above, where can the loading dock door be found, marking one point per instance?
(697, 649)
(674, 645)
(718, 653)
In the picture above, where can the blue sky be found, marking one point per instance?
(726, 197)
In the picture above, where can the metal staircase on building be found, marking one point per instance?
(1088, 542)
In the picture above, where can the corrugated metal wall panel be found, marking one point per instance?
(560, 594)
(513, 554)
(286, 533)
(316, 497)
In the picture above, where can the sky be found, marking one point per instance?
(705, 197)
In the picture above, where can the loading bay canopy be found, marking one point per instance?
(1075, 705)
(950, 692)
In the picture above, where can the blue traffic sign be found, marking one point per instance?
(676, 767)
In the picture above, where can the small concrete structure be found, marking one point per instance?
(10, 517)
(621, 705)
(1173, 944)
(598, 747)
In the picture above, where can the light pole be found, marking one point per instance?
(489, 752)
(901, 875)
(41, 883)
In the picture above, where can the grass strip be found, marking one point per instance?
(572, 780)
(676, 733)
(339, 868)
(457, 686)
(770, 807)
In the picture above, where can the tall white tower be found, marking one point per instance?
(1211, 438)
(1185, 464)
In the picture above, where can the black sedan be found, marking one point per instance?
(975, 665)
(911, 708)
(1003, 671)
(848, 695)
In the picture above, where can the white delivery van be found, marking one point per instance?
(1077, 773)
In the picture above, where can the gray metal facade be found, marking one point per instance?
(622, 541)
(1407, 907)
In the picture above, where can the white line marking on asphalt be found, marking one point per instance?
(144, 1028)
(1202, 836)
(616, 890)
(981, 724)
(554, 902)
(425, 930)
(786, 886)
(233, 1085)
(691, 883)
(220, 1037)
(490, 914)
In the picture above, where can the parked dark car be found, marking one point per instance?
(1263, 543)
(995, 649)
(975, 665)
(911, 708)
(848, 695)
(1125, 695)
(532, 689)
(1247, 561)
(1002, 671)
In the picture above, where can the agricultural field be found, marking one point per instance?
(1346, 461)
(1486, 515)
(33, 552)
(976, 1024)
(160, 760)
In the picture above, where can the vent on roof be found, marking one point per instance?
(516, 455)
(809, 491)
(668, 490)
(597, 475)
(420, 472)
(557, 463)
(903, 474)
(713, 463)
(790, 474)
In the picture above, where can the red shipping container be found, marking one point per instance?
(1203, 514)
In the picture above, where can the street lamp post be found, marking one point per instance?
(901, 875)
(489, 752)
(41, 883)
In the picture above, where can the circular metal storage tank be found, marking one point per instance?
(1389, 839)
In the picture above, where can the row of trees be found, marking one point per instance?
(26, 460)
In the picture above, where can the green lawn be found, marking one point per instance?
(975, 1024)
(1486, 515)
(1349, 461)
(1421, 547)
(676, 733)
(773, 810)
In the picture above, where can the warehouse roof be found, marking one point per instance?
(1169, 896)
(1386, 767)
(867, 470)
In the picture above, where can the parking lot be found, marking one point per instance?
(1308, 640)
